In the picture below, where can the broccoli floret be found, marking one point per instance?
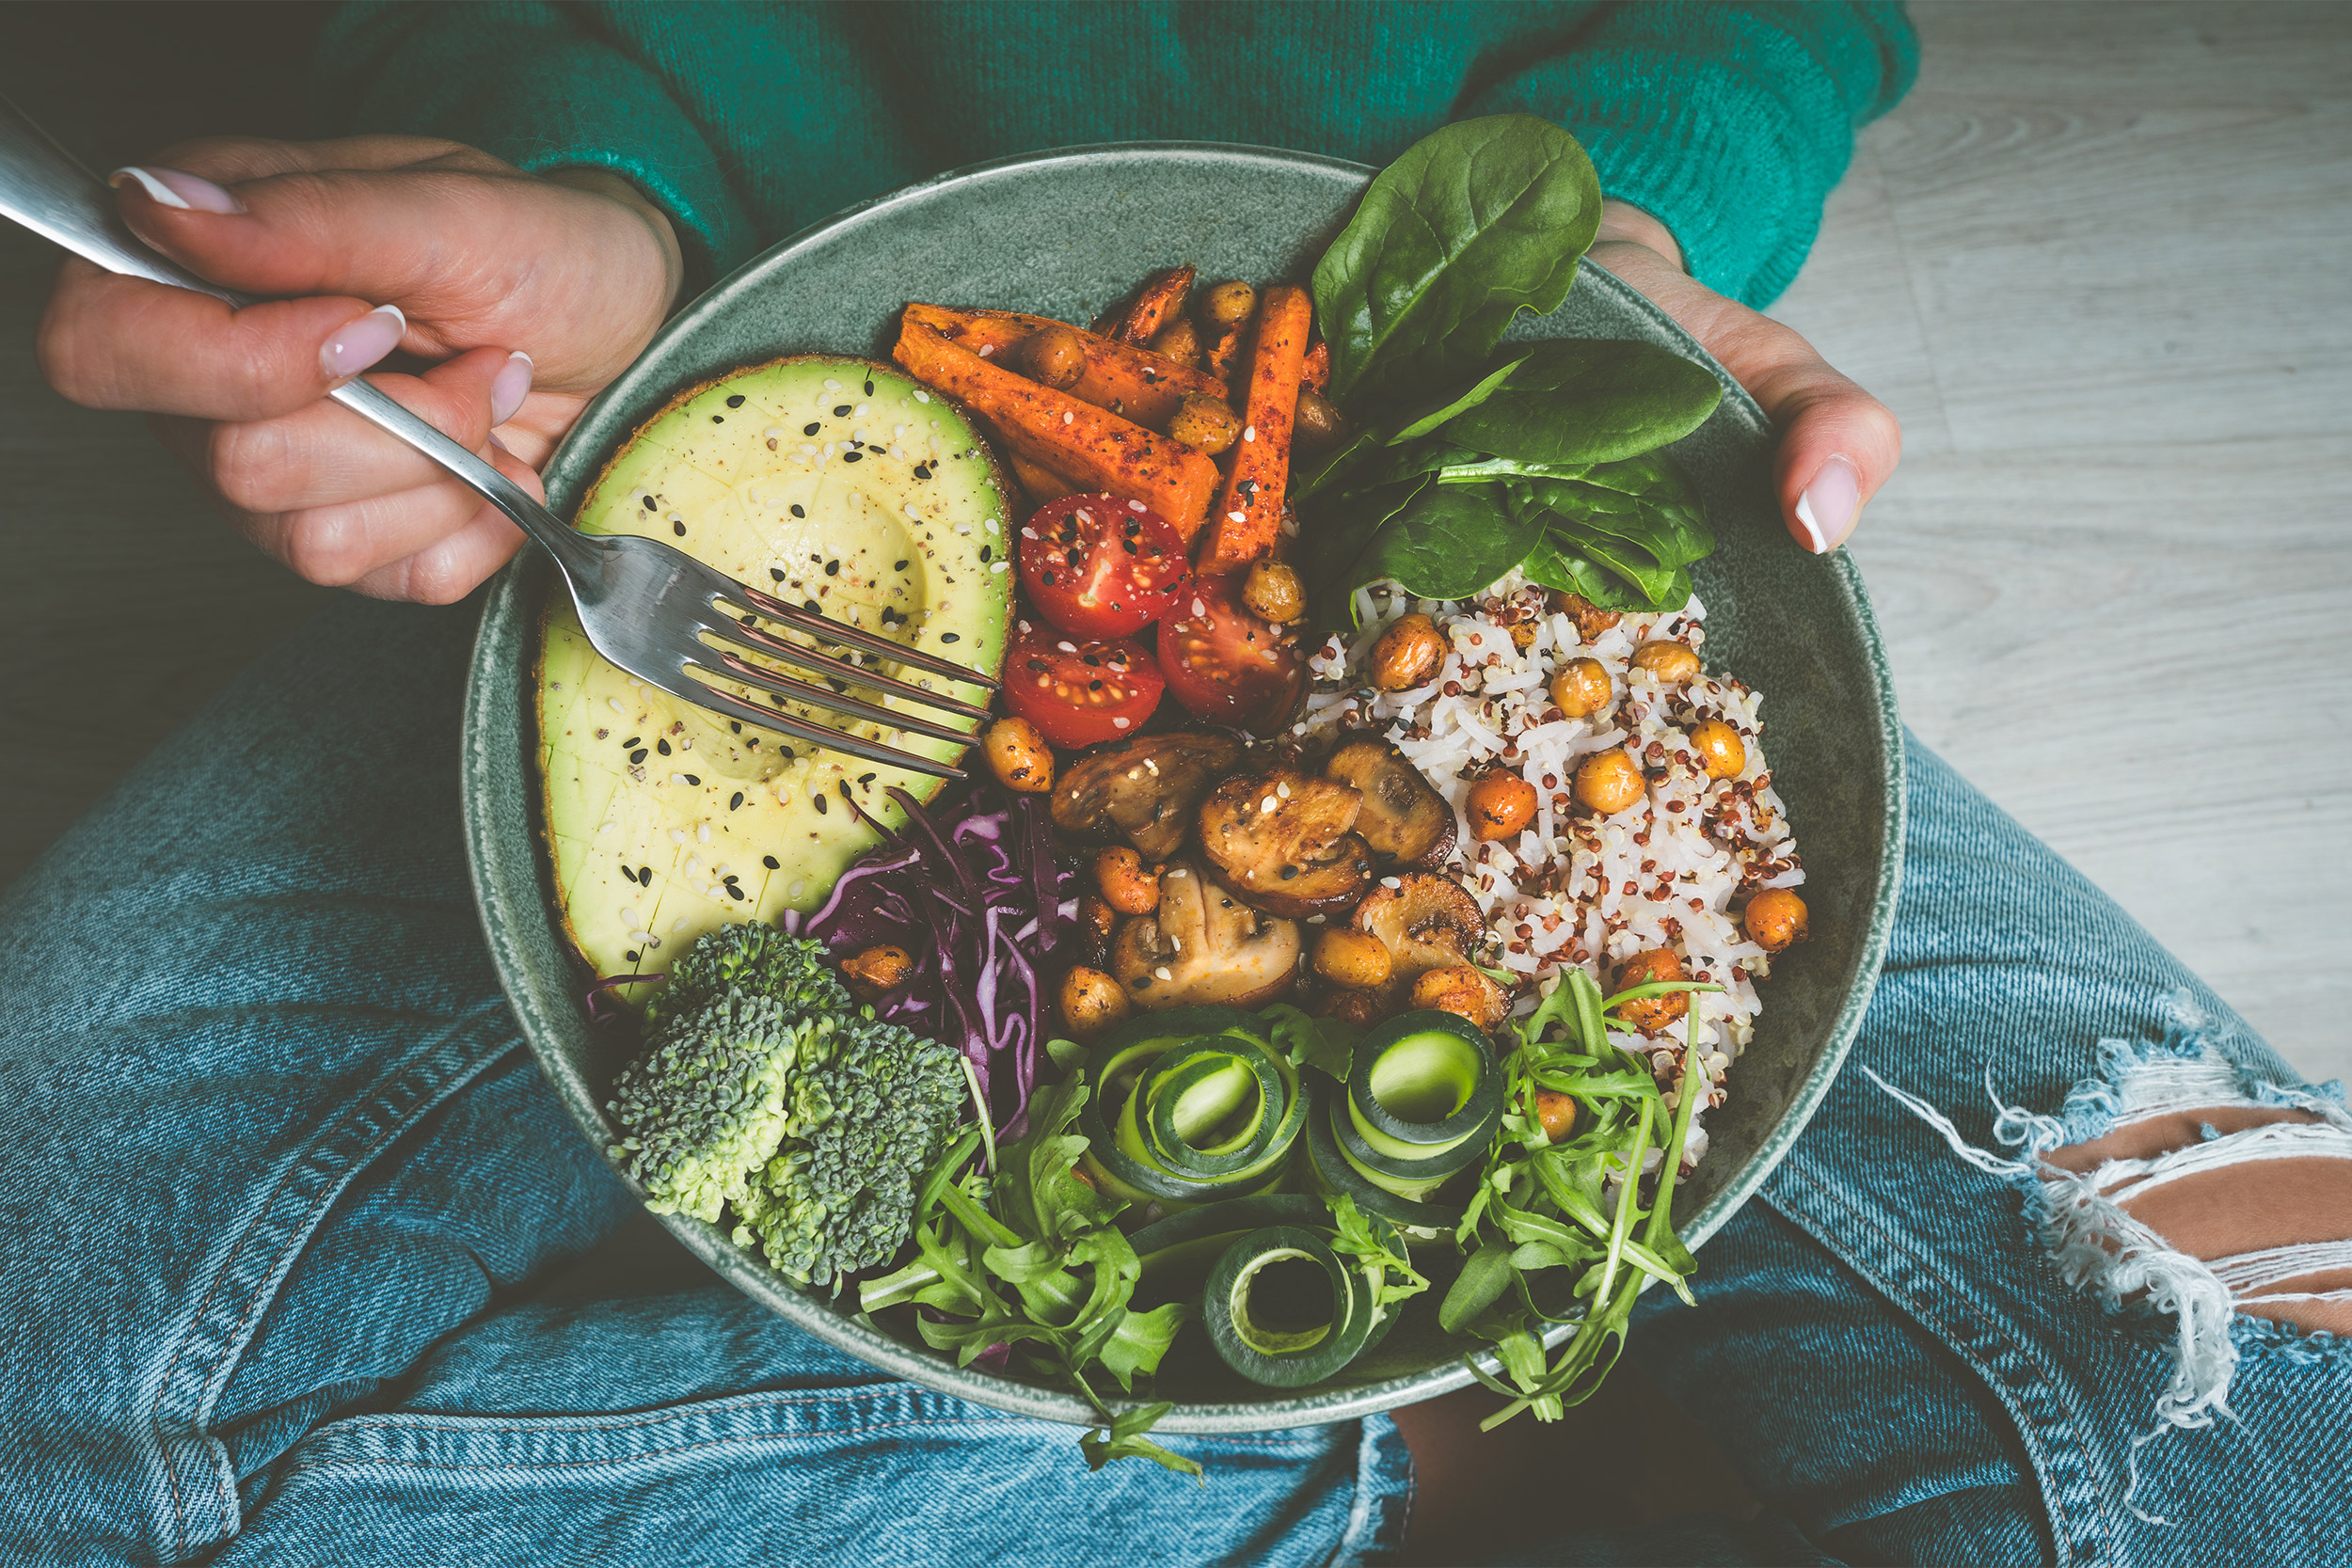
(749, 960)
(707, 1105)
(870, 1107)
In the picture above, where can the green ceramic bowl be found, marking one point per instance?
(1063, 235)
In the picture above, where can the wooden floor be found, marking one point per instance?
(2097, 261)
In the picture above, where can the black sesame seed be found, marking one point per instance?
(811, 429)
(798, 511)
(950, 637)
(869, 388)
(922, 470)
(822, 808)
(690, 777)
(630, 954)
(812, 607)
(745, 619)
(729, 880)
(775, 573)
(984, 552)
(769, 862)
(735, 802)
(649, 506)
(637, 757)
(735, 401)
(853, 457)
(1288, 872)
(734, 726)
(662, 746)
(845, 792)
(678, 528)
(788, 753)
(627, 744)
(865, 778)
(897, 565)
(718, 418)
(734, 891)
(1094, 686)
(841, 411)
(644, 875)
(832, 568)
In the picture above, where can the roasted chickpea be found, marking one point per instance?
(1056, 355)
(1019, 757)
(1591, 620)
(1408, 654)
(1356, 959)
(1319, 424)
(1128, 887)
(877, 969)
(1461, 990)
(1205, 422)
(1091, 1000)
(1095, 920)
(1229, 304)
(1179, 340)
(1669, 663)
(1556, 1112)
(1273, 592)
(1652, 1013)
(1720, 748)
(1359, 1008)
(1609, 782)
(1580, 688)
(1776, 919)
(1500, 804)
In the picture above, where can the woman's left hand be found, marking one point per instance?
(1838, 443)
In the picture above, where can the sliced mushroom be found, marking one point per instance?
(1428, 922)
(1144, 790)
(1403, 819)
(1283, 840)
(1202, 945)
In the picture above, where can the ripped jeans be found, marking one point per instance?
(306, 1264)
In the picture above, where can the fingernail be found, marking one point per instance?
(1827, 507)
(512, 385)
(172, 188)
(357, 344)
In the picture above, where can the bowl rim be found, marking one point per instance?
(489, 832)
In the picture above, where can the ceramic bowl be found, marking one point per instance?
(1064, 234)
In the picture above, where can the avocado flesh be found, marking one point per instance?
(903, 528)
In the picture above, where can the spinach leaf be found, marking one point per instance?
(1666, 523)
(1577, 400)
(1449, 542)
(1478, 469)
(1477, 221)
(1456, 402)
(1555, 564)
(1338, 534)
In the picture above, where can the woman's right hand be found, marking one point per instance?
(524, 294)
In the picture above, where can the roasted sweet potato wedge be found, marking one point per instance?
(1134, 383)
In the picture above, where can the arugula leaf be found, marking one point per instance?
(1477, 221)
(1326, 1043)
(1448, 542)
(1479, 1286)
(1583, 399)
(1375, 1249)
(1037, 1192)
(1124, 1439)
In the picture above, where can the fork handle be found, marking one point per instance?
(45, 189)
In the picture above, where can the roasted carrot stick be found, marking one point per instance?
(1316, 372)
(1042, 484)
(1129, 381)
(1092, 448)
(1249, 514)
(1161, 296)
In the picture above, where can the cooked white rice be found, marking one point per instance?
(1573, 889)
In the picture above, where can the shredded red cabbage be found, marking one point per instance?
(976, 895)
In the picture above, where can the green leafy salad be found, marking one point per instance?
(1473, 458)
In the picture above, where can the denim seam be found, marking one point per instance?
(2063, 1469)
(400, 1096)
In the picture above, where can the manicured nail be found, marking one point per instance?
(1827, 507)
(172, 188)
(512, 385)
(357, 344)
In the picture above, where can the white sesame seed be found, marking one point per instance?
(919, 397)
(1028, 532)
(1390, 882)
(860, 411)
(615, 704)
(999, 565)
(831, 386)
(1268, 806)
(677, 835)
(1200, 607)
(679, 925)
(915, 511)
(799, 887)
(1152, 767)
(678, 778)
(987, 349)
(702, 832)
(1066, 647)
(1120, 723)
(1237, 516)
(1068, 417)
(1250, 433)
(1283, 790)
(1162, 973)
(990, 525)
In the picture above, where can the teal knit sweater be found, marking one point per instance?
(1729, 122)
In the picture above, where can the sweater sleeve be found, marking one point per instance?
(538, 85)
(1728, 123)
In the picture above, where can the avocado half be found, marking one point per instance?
(835, 482)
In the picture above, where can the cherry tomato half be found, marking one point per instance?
(1100, 565)
(1226, 664)
(1078, 693)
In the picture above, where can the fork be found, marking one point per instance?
(645, 606)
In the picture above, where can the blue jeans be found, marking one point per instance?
(304, 1264)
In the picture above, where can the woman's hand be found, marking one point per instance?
(525, 295)
(1838, 443)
